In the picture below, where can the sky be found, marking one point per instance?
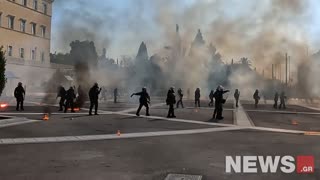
(121, 25)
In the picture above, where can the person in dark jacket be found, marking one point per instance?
(94, 97)
(171, 100)
(180, 94)
(283, 98)
(19, 94)
(62, 94)
(70, 96)
(276, 99)
(219, 101)
(256, 98)
(144, 101)
(115, 95)
(236, 97)
(197, 96)
(211, 98)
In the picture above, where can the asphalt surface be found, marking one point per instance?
(152, 157)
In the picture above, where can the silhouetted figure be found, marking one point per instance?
(211, 96)
(115, 95)
(19, 94)
(283, 98)
(256, 98)
(171, 100)
(276, 99)
(180, 95)
(70, 96)
(197, 97)
(219, 101)
(144, 101)
(237, 96)
(94, 96)
(62, 94)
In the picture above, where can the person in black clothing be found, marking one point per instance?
(236, 97)
(219, 101)
(94, 96)
(197, 97)
(144, 100)
(62, 94)
(276, 99)
(180, 94)
(19, 94)
(211, 98)
(115, 95)
(171, 100)
(256, 98)
(70, 96)
(283, 98)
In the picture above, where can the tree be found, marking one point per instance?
(3, 79)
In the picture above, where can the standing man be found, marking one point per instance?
(276, 98)
(70, 96)
(19, 94)
(283, 98)
(94, 96)
(219, 101)
(171, 100)
(62, 94)
(197, 97)
(180, 94)
(256, 98)
(115, 95)
(211, 98)
(236, 97)
(144, 100)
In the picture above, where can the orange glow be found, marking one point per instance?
(45, 117)
(311, 133)
(75, 109)
(294, 122)
(118, 133)
(3, 105)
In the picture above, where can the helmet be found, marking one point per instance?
(144, 89)
(20, 84)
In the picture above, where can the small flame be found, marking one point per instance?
(45, 117)
(75, 109)
(118, 133)
(293, 122)
(3, 105)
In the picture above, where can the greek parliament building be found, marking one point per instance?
(25, 33)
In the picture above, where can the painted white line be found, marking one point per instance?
(208, 108)
(111, 136)
(284, 112)
(241, 118)
(15, 122)
(134, 109)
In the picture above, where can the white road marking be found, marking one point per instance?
(15, 122)
(111, 136)
(284, 112)
(134, 109)
(208, 108)
(241, 117)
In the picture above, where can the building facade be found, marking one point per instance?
(25, 30)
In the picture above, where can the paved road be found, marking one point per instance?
(77, 146)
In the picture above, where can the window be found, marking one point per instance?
(42, 57)
(33, 54)
(23, 25)
(24, 2)
(0, 17)
(11, 22)
(22, 53)
(45, 8)
(33, 28)
(35, 4)
(10, 49)
(43, 31)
